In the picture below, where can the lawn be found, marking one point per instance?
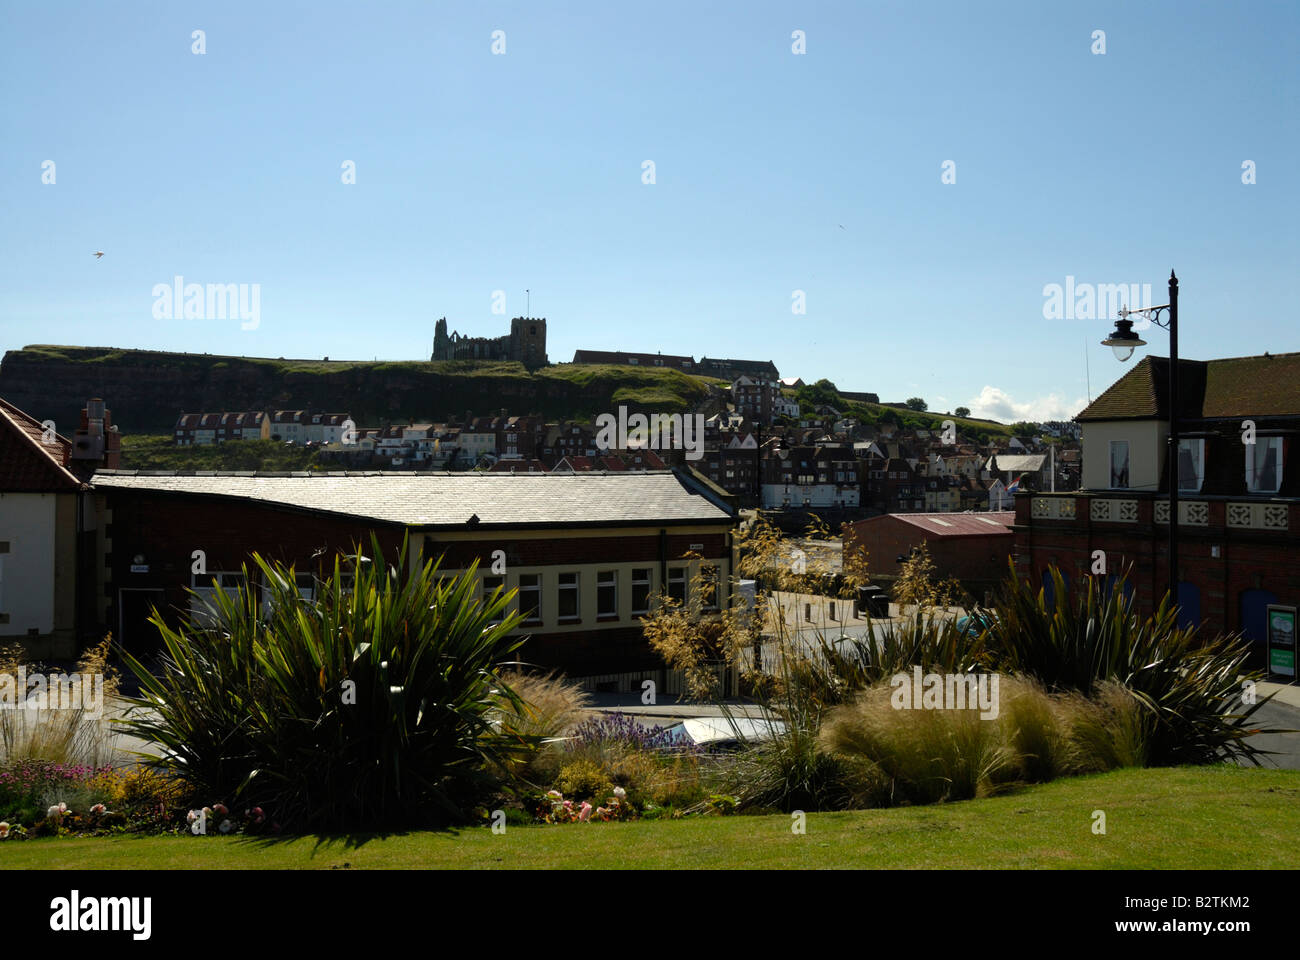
(1205, 818)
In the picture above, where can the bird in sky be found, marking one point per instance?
(99, 254)
(841, 226)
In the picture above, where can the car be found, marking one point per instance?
(977, 622)
(718, 734)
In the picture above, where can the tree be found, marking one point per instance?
(916, 403)
(821, 393)
(962, 411)
(917, 584)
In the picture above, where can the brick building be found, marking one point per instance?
(974, 548)
(586, 550)
(48, 528)
(1239, 502)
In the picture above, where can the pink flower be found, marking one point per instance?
(4, 829)
(220, 809)
(585, 813)
(98, 808)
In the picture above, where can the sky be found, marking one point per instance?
(880, 194)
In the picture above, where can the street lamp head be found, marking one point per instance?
(1123, 340)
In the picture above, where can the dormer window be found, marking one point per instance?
(1264, 465)
(1191, 464)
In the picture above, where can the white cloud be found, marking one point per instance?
(995, 404)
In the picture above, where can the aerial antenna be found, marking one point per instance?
(528, 309)
(1087, 367)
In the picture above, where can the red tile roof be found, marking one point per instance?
(28, 465)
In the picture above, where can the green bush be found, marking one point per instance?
(925, 755)
(1190, 688)
(583, 779)
(366, 707)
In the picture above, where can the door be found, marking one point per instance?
(135, 633)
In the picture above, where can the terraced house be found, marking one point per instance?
(1239, 492)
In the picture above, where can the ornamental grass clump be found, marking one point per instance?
(370, 705)
(546, 707)
(1196, 693)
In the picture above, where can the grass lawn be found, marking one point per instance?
(1213, 818)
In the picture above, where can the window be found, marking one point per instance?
(530, 597)
(709, 584)
(1264, 465)
(490, 586)
(568, 606)
(1119, 464)
(1191, 464)
(641, 589)
(677, 583)
(607, 593)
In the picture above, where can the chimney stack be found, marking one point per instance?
(97, 442)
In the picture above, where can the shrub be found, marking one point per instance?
(1110, 730)
(369, 706)
(926, 755)
(547, 708)
(583, 779)
(1038, 730)
(1190, 688)
(70, 735)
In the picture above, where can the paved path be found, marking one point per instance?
(1283, 711)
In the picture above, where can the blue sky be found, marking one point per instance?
(775, 172)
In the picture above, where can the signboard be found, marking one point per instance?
(139, 568)
(1281, 639)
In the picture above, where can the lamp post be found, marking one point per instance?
(1124, 341)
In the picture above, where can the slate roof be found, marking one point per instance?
(448, 500)
(1262, 386)
(28, 465)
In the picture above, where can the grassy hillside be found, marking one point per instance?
(146, 390)
(159, 452)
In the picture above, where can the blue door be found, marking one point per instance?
(1111, 580)
(1049, 588)
(1189, 605)
(1254, 619)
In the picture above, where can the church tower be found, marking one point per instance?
(528, 341)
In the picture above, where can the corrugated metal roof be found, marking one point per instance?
(957, 524)
(451, 499)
